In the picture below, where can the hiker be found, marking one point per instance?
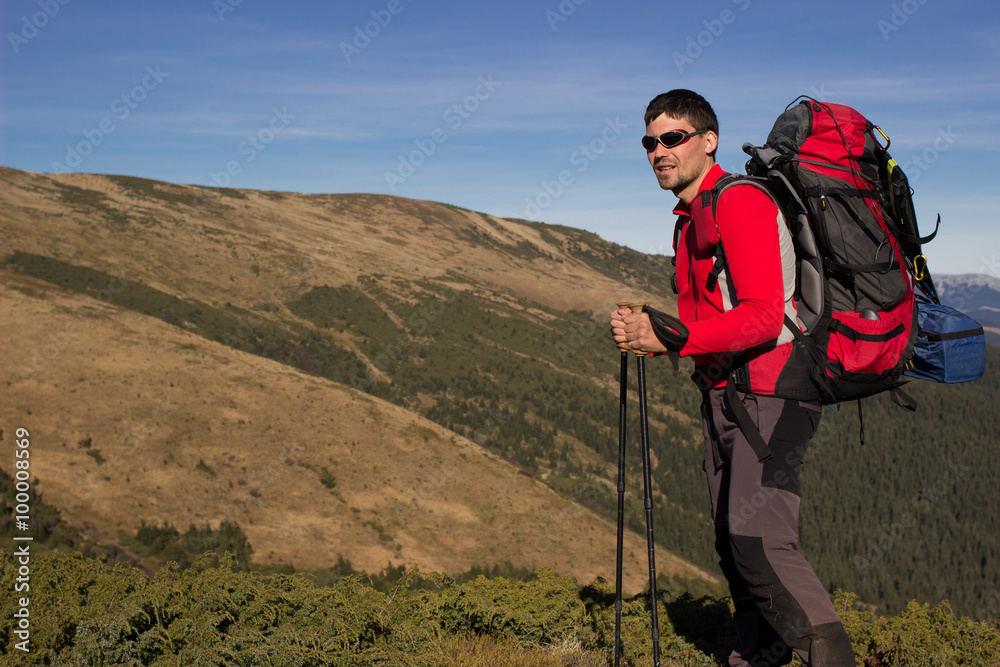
(780, 604)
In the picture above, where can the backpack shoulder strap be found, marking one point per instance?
(710, 198)
(729, 180)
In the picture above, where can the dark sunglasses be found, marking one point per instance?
(668, 139)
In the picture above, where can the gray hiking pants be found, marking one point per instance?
(781, 605)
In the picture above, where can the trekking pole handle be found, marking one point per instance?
(635, 308)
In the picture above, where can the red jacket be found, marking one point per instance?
(745, 311)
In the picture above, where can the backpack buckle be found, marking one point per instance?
(740, 376)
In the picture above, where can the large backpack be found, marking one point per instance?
(861, 278)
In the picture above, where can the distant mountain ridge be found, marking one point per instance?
(975, 294)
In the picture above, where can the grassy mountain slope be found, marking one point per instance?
(180, 430)
(145, 319)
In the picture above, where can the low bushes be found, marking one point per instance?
(84, 612)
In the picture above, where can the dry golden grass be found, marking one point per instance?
(191, 431)
(199, 238)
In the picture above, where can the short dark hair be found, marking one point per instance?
(686, 105)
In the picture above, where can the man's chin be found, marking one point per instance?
(667, 184)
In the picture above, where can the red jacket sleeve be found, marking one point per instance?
(748, 226)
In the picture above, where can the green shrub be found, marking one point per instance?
(85, 612)
(211, 615)
(547, 610)
(920, 635)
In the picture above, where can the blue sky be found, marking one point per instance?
(520, 109)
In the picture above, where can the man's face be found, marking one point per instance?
(681, 169)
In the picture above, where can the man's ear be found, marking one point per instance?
(711, 142)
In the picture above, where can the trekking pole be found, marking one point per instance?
(647, 491)
(672, 332)
(622, 404)
(647, 483)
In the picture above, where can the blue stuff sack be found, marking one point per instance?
(950, 345)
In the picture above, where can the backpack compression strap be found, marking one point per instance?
(749, 429)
